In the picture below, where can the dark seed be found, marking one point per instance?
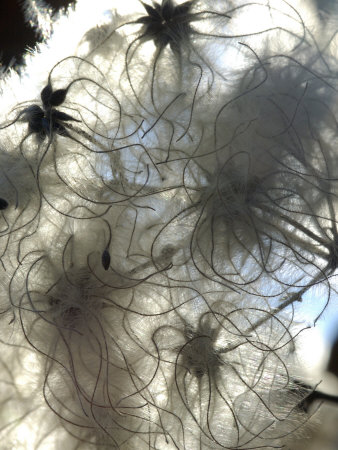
(59, 115)
(58, 97)
(45, 94)
(3, 204)
(105, 259)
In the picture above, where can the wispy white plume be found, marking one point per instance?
(168, 197)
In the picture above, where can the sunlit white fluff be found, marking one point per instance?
(178, 170)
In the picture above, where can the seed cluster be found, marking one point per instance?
(167, 207)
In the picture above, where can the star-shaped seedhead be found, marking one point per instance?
(167, 23)
(198, 353)
(48, 120)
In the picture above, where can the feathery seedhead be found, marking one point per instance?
(45, 121)
(199, 355)
(167, 23)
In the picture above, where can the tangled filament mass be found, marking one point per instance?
(168, 210)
